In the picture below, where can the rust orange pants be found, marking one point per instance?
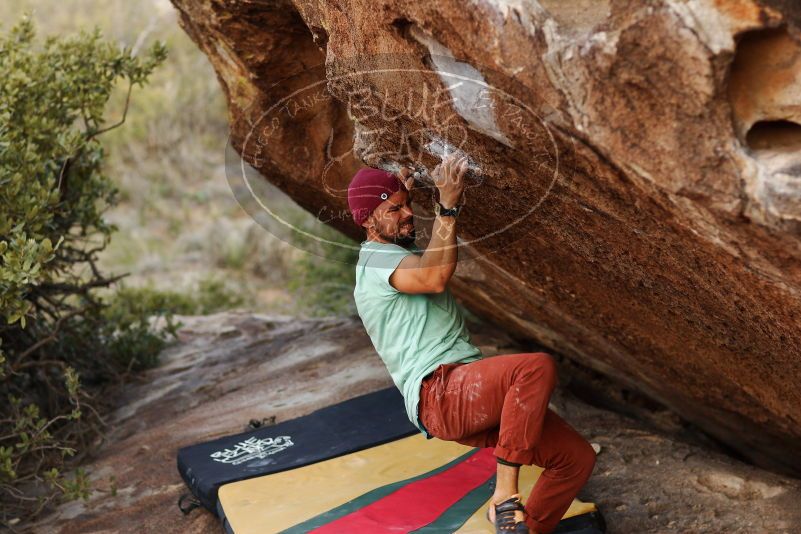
(502, 402)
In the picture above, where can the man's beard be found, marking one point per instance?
(404, 241)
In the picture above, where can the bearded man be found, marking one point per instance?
(451, 391)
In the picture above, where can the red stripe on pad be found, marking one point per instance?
(419, 503)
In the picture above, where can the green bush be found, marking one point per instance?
(59, 341)
(211, 295)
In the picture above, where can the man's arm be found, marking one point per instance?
(430, 272)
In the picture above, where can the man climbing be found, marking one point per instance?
(451, 391)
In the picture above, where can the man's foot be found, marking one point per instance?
(508, 516)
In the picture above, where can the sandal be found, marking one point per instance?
(510, 516)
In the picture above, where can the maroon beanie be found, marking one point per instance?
(369, 188)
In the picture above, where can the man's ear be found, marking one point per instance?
(368, 223)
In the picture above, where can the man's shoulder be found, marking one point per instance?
(377, 262)
(381, 255)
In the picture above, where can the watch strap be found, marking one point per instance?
(443, 211)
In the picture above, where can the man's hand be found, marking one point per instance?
(406, 176)
(449, 179)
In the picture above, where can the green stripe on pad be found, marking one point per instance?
(457, 515)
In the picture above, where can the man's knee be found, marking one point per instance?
(585, 457)
(577, 457)
(542, 366)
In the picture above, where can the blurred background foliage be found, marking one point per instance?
(108, 225)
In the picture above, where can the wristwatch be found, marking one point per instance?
(439, 209)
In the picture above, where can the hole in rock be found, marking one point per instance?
(780, 135)
(764, 85)
(319, 36)
(402, 26)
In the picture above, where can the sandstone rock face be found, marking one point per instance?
(635, 194)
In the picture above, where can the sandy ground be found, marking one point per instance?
(653, 473)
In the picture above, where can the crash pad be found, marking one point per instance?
(408, 485)
(355, 467)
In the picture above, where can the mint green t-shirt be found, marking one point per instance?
(412, 333)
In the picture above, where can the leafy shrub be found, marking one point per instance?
(211, 295)
(60, 342)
